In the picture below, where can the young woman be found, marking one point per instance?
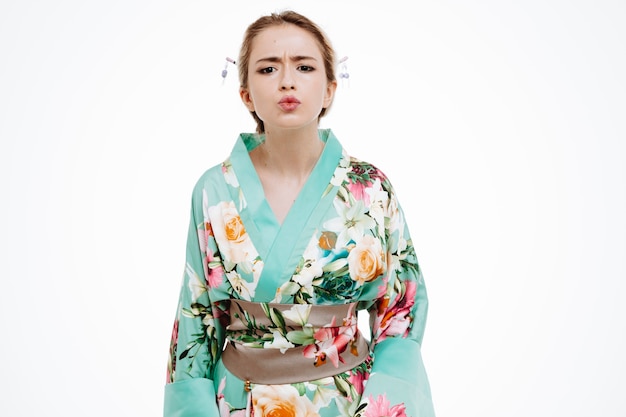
(289, 238)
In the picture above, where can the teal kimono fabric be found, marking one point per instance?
(344, 240)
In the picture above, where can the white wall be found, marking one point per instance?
(501, 125)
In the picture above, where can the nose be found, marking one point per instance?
(287, 81)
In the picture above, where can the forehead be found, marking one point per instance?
(285, 39)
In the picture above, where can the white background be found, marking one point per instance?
(500, 123)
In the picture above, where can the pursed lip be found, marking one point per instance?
(289, 100)
(289, 103)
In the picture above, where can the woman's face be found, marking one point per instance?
(287, 84)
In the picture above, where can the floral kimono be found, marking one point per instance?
(343, 245)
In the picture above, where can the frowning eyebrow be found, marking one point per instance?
(295, 58)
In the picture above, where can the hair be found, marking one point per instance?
(277, 19)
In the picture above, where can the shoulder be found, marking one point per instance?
(213, 174)
(367, 173)
(210, 181)
(222, 172)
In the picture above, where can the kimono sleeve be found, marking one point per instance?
(194, 348)
(398, 384)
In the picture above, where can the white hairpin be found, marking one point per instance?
(225, 70)
(343, 71)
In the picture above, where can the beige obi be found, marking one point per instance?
(326, 341)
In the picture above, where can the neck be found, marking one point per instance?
(289, 153)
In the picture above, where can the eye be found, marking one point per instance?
(267, 70)
(306, 68)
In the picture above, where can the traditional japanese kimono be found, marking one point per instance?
(284, 298)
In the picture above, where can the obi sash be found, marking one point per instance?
(271, 343)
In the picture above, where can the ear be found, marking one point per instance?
(331, 87)
(246, 98)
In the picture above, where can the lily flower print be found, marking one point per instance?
(279, 342)
(351, 223)
(331, 341)
(395, 319)
(381, 407)
(299, 314)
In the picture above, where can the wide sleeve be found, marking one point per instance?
(398, 384)
(197, 335)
